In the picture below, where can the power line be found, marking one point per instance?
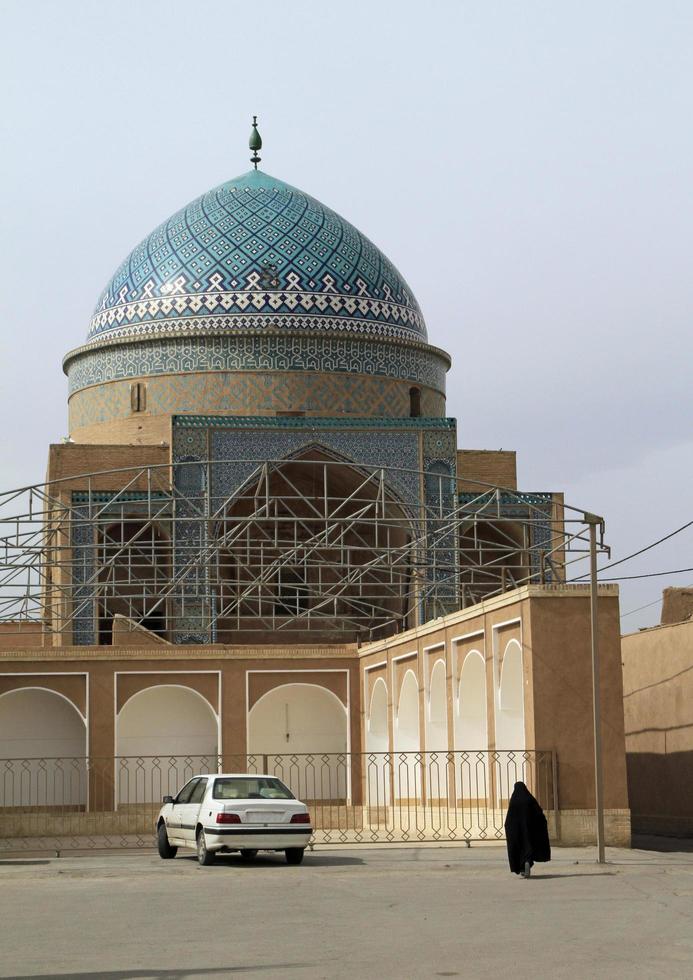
(625, 578)
(649, 604)
(640, 608)
(636, 553)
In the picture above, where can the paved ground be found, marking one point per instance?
(381, 913)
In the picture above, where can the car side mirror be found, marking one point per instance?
(168, 799)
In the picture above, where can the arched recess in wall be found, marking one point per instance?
(471, 729)
(377, 736)
(48, 734)
(378, 763)
(408, 740)
(164, 734)
(510, 719)
(134, 569)
(436, 758)
(437, 710)
(302, 728)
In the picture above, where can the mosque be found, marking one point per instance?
(263, 541)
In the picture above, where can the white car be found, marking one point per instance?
(234, 812)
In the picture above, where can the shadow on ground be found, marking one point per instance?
(13, 862)
(572, 874)
(215, 971)
(273, 861)
(667, 845)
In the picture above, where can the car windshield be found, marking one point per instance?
(250, 788)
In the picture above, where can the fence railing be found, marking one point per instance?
(370, 797)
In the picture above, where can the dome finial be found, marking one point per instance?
(255, 143)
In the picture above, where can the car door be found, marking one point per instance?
(174, 822)
(190, 810)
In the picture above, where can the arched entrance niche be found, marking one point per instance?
(302, 729)
(164, 734)
(510, 719)
(378, 763)
(134, 569)
(47, 737)
(408, 740)
(493, 555)
(314, 546)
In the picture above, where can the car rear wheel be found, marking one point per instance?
(294, 855)
(166, 850)
(249, 853)
(204, 856)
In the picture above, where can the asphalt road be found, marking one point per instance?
(358, 913)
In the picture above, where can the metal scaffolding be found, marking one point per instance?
(305, 549)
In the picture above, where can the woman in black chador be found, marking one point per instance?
(526, 832)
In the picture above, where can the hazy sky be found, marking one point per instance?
(528, 166)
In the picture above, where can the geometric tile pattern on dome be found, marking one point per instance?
(252, 352)
(262, 252)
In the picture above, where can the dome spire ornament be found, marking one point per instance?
(255, 143)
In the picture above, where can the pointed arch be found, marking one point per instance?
(510, 720)
(306, 546)
(437, 709)
(377, 734)
(510, 725)
(471, 725)
(407, 760)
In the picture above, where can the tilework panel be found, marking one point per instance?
(517, 505)
(83, 541)
(251, 392)
(336, 422)
(256, 250)
(241, 450)
(252, 352)
(238, 451)
(440, 465)
(192, 606)
(84, 602)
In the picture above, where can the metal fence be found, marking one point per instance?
(371, 797)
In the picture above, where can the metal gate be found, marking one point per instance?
(370, 797)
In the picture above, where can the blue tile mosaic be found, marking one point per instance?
(256, 252)
(238, 445)
(258, 352)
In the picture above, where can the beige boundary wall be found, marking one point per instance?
(658, 709)
(550, 625)
(508, 675)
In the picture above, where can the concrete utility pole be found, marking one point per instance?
(593, 521)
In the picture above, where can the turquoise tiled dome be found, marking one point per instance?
(255, 252)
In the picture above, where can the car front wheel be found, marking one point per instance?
(204, 856)
(166, 850)
(294, 855)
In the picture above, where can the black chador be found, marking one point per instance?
(526, 832)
